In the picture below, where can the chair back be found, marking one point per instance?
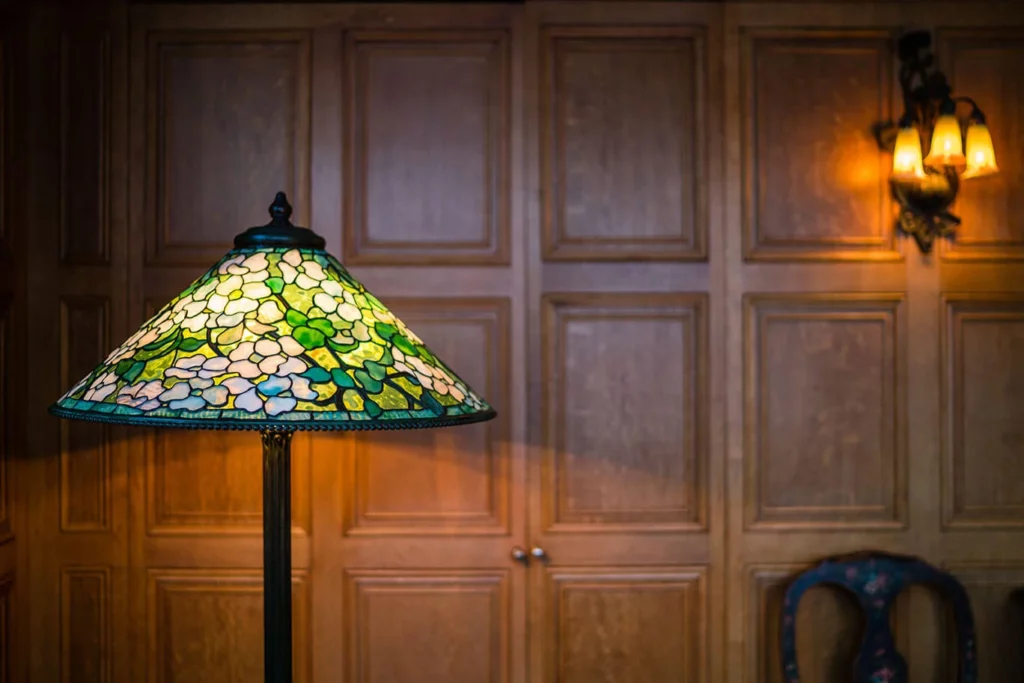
(875, 579)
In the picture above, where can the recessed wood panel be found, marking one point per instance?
(625, 382)
(5, 115)
(815, 182)
(207, 625)
(84, 145)
(7, 399)
(230, 499)
(824, 415)
(85, 625)
(414, 626)
(997, 601)
(443, 481)
(984, 410)
(622, 624)
(427, 137)
(829, 626)
(6, 655)
(988, 64)
(85, 501)
(227, 127)
(623, 128)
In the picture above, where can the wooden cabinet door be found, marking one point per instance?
(625, 301)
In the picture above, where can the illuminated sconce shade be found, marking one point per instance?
(947, 143)
(926, 190)
(981, 157)
(906, 158)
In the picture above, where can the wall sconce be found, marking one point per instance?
(926, 187)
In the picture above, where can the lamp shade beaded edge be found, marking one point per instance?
(275, 338)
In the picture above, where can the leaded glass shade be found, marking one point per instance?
(277, 334)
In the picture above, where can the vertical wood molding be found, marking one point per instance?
(85, 103)
(86, 619)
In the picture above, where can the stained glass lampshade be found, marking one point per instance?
(276, 336)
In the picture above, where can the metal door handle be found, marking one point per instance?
(519, 555)
(539, 553)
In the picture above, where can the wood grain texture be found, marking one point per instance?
(227, 127)
(85, 616)
(996, 593)
(8, 399)
(207, 625)
(85, 497)
(815, 183)
(983, 401)
(817, 457)
(427, 117)
(626, 624)
(6, 654)
(624, 411)
(449, 625)
(451, 481)
(85, 189)
(623, 143)
(988, 64)
(229, 502)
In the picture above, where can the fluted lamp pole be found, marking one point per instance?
(278, 337)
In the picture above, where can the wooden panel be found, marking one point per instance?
(84, 140)
(408, 627)
(643, 624)
(984, 410)
(85, 625)
(427, 159)
(5, 115)
(623, 143)
(815, 182)
(7, 399)
(85, 498)
(6, 589)
(824, 417)
(230, 500)
(624, 411)
(207, 625)
(989, 65)
(997, 600)
(447, 481)
(829, 626)
(228, 126)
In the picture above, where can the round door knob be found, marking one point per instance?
(539, 553)
(519, 555)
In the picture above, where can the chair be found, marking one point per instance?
(876, 579)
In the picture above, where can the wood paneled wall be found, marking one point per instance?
(658, 237)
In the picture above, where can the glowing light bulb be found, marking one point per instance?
(906, 157)
(947, 143)
(981, 157)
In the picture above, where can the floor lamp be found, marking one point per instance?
(277, 337)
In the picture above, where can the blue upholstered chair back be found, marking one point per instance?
(875, 579)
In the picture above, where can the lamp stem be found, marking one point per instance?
(277, 557)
